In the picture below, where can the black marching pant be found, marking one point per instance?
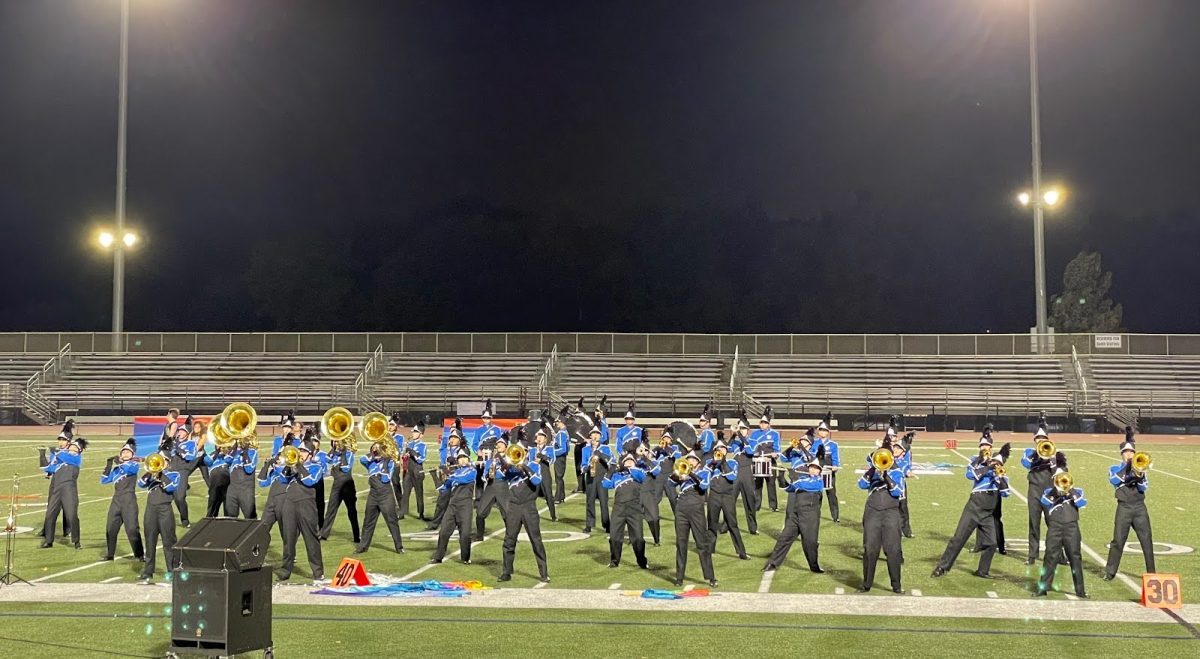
(977, 515)
(725, 504)
(218, 491)
(1060, 537)
(560, 473)
(835, 511)
(1037, 513)
(239, 500)
(65, 500)
(457, 517)
(342, 491)
(123, 511)
(523, 515)
(298, 517)
(627, 516)
(803, 521)
(160, 524)
(414, 484)
(596, 493)
(771, 486)
(745, 489)
(494, 495)
(381, 501)
(881, 530)
(1135, 516)
(690, 519)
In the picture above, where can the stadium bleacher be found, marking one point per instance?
(430, 382)
(141, 382)
(910, 384)
(1156, 385)
(665, 383)
(15, 368)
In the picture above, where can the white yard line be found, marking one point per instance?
(494, 534)
(764, 586)
(41, 509)
(615, 586)
(839, 591)
(540, 584)
(74, 570)
(111, 579)
(915, 592)
(1153, 469)
(992, 595)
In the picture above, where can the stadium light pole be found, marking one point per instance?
(1039, 233)
(119, 246)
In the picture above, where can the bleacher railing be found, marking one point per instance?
(982, 345)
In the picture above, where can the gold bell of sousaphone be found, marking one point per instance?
(156, 463)
(239, 420)
(1141, 462)
(1063, 482)
(882, 459)
(1045, 449)
(218, 437)
(337, 425)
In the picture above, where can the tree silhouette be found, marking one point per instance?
(1083, 305)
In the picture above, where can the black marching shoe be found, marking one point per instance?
(106, 558)
(399, 550)
(863, 589)
(1109, 577)
(587, 529)
(280, 575)
(1083, 596)
(1039, 593)
(768, 568)
(743, 557)
(816, 569)
(612, 564)
(982, 575)
(1003, 551)
(360, 550)
(45, 545)
(909, 535)
(78, 546)
(937, 572)
(1031, 560)
(677, 582)
(186, 524)
(712, 583)
(467, 562)
(504, 577)
(898, 591)
(434, 561)
(545, 578)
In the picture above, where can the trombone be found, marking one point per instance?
(682, 468)
(1045, 449)
(155, 463)
(882, 459)
(1063, 483)
(290, 456)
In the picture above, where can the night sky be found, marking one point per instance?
(795, 166)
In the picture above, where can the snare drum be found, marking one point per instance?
(827, 477)
(761, 467)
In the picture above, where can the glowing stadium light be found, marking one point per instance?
(1023, 198)
(105, 239)
(1051, 197)
(129, 238)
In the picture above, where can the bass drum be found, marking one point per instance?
(684, 434)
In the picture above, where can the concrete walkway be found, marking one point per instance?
(1052, 609)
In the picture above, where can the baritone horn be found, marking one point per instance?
(1045, 449)
(290, 455)
(373, 429)
(155, 463)
(239, 420)
(882, 459)
(516, 454)
(1063, 482)
(337, 425)
(1141, 462)
(683, 468)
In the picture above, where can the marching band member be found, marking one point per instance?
(881, 521)
(1062, 507)
(690, 518)
(997, 520)
(765, 441)
(578, 441)
(413, 457)
(123, 510)
(271, 477)
(562, 446)
(989, 483)
(625, 480)
(494, 493)
(459, 484)
(171, 426)
(831, 462)
(381, 499)
(601, 416)
(182, 452)
(651, 461)
(543, 454)
(706, 438)
(596, 459)
(159, 519)
(803, 517)
(902, 451)
(218, 465)
(523, 481)
(199, 432)
(630, 431)
(741, 448)
(1131, 485)
(722, 497)
(239, 498)
(298, 511)
(62, 468)
(340, 462)
(667, 452)
(448, 461)
(487, 432)
(311, 435)
(1039, 478)
(398, 473)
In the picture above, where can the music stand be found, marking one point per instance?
(10, 538)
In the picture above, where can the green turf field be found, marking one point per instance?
(125, 630)
(580, 562)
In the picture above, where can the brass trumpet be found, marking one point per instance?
(719, 454)
(1063, 482)
(882, 459)
(515, 455)
(1140, 463)
(1045, 449)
